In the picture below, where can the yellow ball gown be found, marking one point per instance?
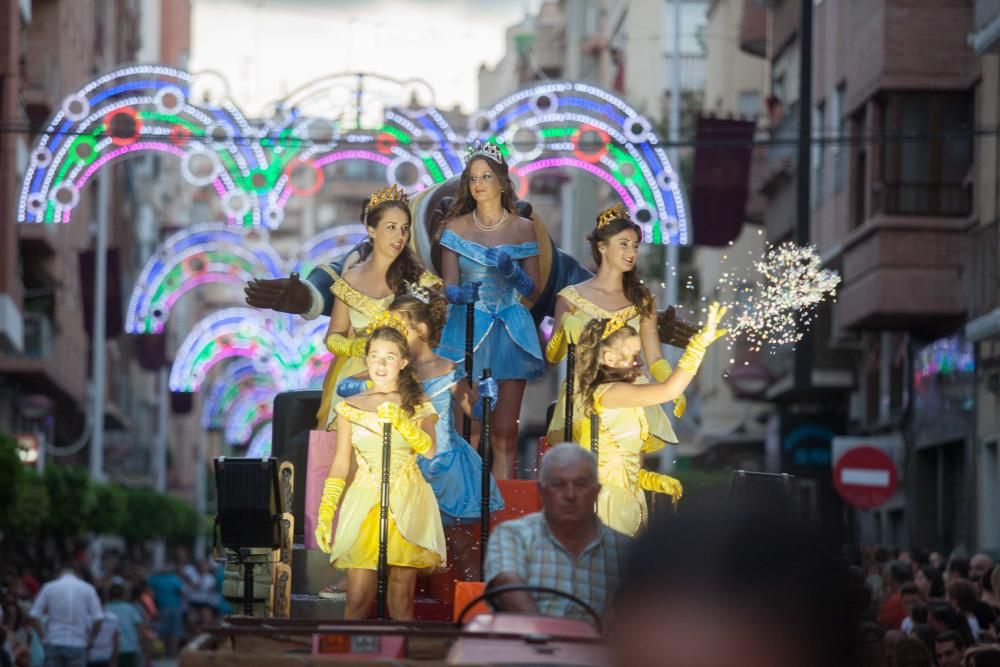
(416, 536)
(623, 437)
(659, 430)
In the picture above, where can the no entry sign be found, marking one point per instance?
(865, 477)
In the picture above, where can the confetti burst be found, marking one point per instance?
(774, 305)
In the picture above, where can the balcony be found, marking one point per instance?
(52, 363)
(923, 199)
(753, 29)
(905, 273)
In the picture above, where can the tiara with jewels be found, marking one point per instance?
(388, 193)
(611, 326)
(421, 294)
(618, 212)
(484, 149)
(387, 320)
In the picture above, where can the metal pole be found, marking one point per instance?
(200, 483)
(595, 426)
(670, 276)
(160, 454)
(568, 396)
(99, 328)
(803, 361)
(382, 589)
(470, 332)
(486, 447)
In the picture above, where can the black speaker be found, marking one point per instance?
(770, 492)
(249, 500)
(294, 417)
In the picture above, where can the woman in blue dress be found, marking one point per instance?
(455, 471)
(489, 257)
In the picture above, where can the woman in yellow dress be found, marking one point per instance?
(416, 540)
(614, 291)
(608, 358)
(365, 290)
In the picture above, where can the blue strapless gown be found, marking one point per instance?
(456, 471)
(505, 339)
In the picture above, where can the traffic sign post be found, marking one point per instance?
(865, 477)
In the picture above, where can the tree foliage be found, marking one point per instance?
(64, 502)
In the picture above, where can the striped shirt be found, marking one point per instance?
(527, 548)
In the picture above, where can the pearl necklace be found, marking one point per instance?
(485, 228)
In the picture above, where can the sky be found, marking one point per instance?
(267, 48)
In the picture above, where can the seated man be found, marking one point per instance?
(565, 546)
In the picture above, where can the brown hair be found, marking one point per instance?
(432, 314)
(406, 267)
(592, 373)
(635, 291)
(465, 203)
(411, 392)
(965, 594)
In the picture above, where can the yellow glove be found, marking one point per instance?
(695, 351)
(661, 371)
(657, 483)
(332, 489)
(342, 346)
(406, 426)
(568, 332)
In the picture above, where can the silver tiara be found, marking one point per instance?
(417, 292)
(484, 149)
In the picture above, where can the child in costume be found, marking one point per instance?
(614, 291)
(608, 358)
(455, 471)
(486, 242)
(365, 290)
(416, 538)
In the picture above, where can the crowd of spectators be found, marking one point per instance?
(108, 611)
(926, 609)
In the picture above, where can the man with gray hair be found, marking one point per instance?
(565, 546)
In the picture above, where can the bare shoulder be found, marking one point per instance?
(459, 224)
(524, 230)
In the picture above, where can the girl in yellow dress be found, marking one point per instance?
(608, 358)
(365, 290)
(416, 540)
(614, 291)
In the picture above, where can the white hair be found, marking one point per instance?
(563, 455)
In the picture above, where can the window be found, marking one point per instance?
(926, 155)
(749, 104)
(818, 151)
(838, 149)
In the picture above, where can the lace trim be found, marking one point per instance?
(581, 302)
(369, 420)
(359, 301)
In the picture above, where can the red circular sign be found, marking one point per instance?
(865, 477)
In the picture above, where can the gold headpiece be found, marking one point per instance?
(613, 213)
(388, 320)
(388, 193)
(611, 326)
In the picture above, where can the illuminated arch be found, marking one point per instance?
(211, 252)
(577, 125)
(250, 410)
(260, 443)
(329, 245)
(232, 378)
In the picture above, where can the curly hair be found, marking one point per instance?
(464, 201)
(637, 293)
(591, 373)
(432, 314)
(411, 392)
(406, 267)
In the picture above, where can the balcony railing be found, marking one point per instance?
(932, 199)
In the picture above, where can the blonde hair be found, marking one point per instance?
(592, 373)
